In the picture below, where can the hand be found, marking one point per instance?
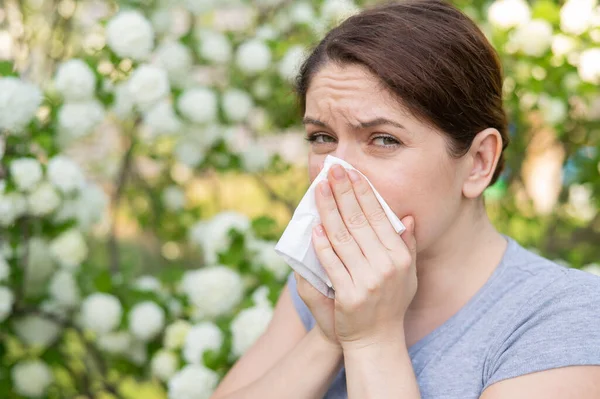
(371, 267)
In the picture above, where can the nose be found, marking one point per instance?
(348, 154)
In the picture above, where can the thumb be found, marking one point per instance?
(408, 235)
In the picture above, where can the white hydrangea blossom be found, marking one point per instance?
(198, 105)
(76, 120)
(147, 85)
(65, 174)
(255, 158)
(130, 34)
(148, 283)
(563, 45)
(174, 198)
(43, 200)
(7, 299)
(266, 32)
(19, 102)
(289, 66)
(554, 110)
(265, 255)
(338, 10)
(205, 135)
(248, 326)
(69, 248)
(176, 59)
(75, 81)
(164, 364)
(302, 12)
(101, 312)
(237, 104)
(63, 289)
(533, 38)
(581, 204)
(31, 378)
(576, 16)
(260, 296)
(201, 338)
(214, 46)
(253, 56)
(115, 343)
(213, 291)
(40, 265)
(505, 14)
(4, 269)
(36, 330)
(189, 151)
(91, 206)
(146, 320)
(194, 381)
(26, 173)
(123, 104)
(197, 7)
(175, 334)
(161, 119)
(12, 206)
(589, 65)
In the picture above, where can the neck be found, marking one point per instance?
(456, 268)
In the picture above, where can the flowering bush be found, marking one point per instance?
(115, 134)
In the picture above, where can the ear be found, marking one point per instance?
(484, 154)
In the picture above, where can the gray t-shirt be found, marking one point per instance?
(531, 315)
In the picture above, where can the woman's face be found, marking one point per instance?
(349, 115)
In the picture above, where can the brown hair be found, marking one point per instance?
(432, 57)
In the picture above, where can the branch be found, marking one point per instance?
(273, 195)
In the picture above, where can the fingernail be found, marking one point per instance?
(319, 230)
(325, 189)
(338, 172)
(354, 176)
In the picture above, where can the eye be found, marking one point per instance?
(319, 138)
(386, 141)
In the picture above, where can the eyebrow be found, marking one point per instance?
(362, 125)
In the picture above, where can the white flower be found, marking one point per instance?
(253, 57)
(589, 65)
(161, 20)
(90, 206)
(268, 258)
(302, 13)
(123, 102)
(115, 343)
(197, 7)
(147, 85)
(593, 268)
(69, 248)
(26, 173)
(266, 32)
(39, 264)
(581, 204)
(176, 59)
(338, 10)
(261, 89)
(554, 110)
(31, 378)
(12, 206)
(146, 320)
(101, 312)
(199, 105)
(205, 135)
(506, 14)
(189, 151)
(213, 291)
(65, 174)
(19, 102)
(255, 158)
(213, 235)
(164, 364)
(76, 120)
(75, 81)
(237, 104)
(533, 38)
(43, 200)
(248, 326)
(130, 34)
(193, 382)
(563, 45)
(7, 300)
(174, 198)
(148, 283)
(63, 289)
(214, 46)
(576, 16)
(161, 119)
(4, 269)
(290, 64)
(175, 334)
(260, 296)
(201, 338)
(36, 330)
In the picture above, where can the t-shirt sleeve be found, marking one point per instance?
(303, 310)
(561, 329)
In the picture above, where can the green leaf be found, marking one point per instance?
(7, 69)
(103, 281)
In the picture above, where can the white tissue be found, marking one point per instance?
(295, 245)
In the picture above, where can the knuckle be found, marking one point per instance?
(353, 304)
(343, 236)
(378, 215)
(357, 219)
(372, 286)
(388, 271)
(362, 188)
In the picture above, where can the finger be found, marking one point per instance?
(408, 236)
(374, 212)
(355, 219)
(341, 240)
(340, 278)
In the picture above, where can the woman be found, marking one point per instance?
(411, 95)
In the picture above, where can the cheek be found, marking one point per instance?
(315, 164)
